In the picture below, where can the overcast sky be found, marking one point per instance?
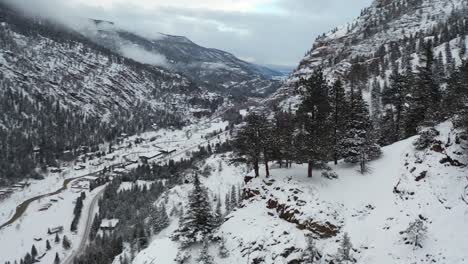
(260, 31)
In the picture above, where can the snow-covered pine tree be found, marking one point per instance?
(338, 111)
(160, 219)
(395, 95)
(66, 244)
(182, 257)
(283, 123)
(249, 143)
(218, 213)
(223, 252)
(449, 60)
(33, 251)
(343, 255)
(227, 203)
(205, 257)
(376, 104)
(416, 232)
(313, 140)
(198, 222)
(358, 143)
(233, 197)
(311, 255)
(56, 259)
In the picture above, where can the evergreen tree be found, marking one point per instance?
(338, 106)
(160, 219)
(450, 61)
(57, 259)
(462, 47)
(182, 257)
(358, 143)
(344, 251)
(33, 251)
(218, 213)
(311, 255)
(283, 123)
(249, 142)
(223, 252)
(376, 105)
(66, 243)
(416, 233)
(57, 238)
(395, 95)
(313, 138)
(227, 203)
(198, 223)
(205, 257)
(233, 197)
(48, 247)
(427, 85)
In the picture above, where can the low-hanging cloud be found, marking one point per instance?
(278, 32)
(141, 55)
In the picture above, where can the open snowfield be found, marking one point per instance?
(373, 209)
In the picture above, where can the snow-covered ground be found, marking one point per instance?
(17, 239)
(373, 208)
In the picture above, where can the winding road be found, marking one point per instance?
(84, 238)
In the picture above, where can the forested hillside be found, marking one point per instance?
(403, 56)
(62, 95)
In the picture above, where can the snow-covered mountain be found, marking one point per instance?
(212, 68)
(386, 35)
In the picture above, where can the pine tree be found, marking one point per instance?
(227, 203)
(48, 247)
(450, 61)
(66, 243)
(416, 232)
(462, 47)
(204, 257)
(395, 95)
(338, 106)
(33, 251)
(313, 138)
(344, 251)
(57, 259)
(57, 238)
(233, 197)
(283, 123)
(376, 105)
(358, 143)
(311, 255)
(160, 219)
(218, 213)
(223, 252)
(249, 143)
(198, 223)
(182, 257)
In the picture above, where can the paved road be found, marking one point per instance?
(89, 221)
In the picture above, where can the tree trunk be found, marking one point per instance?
(256, 169)
(309, 169)
(267, 170)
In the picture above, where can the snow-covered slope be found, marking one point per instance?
(374, 209)
(382, 37)
(211, 68)
(43, 61)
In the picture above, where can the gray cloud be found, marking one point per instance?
(264, 37)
